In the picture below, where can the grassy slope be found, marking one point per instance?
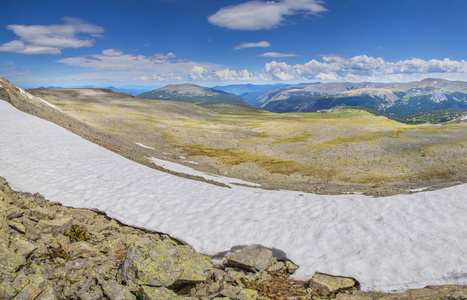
(294, 150)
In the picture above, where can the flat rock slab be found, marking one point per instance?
(252, 259)
(161, 263)
(328, 285)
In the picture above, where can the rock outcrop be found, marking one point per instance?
(48, 252)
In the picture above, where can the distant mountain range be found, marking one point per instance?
(398, 99)
(404, 100)
(127, 89)
(194, 94)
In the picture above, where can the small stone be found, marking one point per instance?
(252, 259)
(327, 285)
(278, 266)
(218, 275)
(291, 267)
(233, 275)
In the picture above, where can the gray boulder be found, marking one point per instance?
(251, 259)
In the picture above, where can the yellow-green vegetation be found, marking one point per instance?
(292, 150)
(77, 233)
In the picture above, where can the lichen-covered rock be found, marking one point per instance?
(291, 267)
(56, 226)
(161, 263)
(9, 289)
(252, 259)
(40, 213)
(17, 226)
(115, 291)
(9, 261)
(233, 275)
(22, 246)
(236, 293)
(158, 293)
(278, 266)
(327, 285)
(83, 250)
(33, 289)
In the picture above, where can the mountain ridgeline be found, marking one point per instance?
(396, 99)
(194, 94)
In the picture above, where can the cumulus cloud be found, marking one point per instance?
(257, 15)
(276, 54)
(262, 44)
(363, 67)
(199, 73)
(116, 65)
(51, 39)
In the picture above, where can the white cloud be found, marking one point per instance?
(256, 15)
(360, 68)
(115, 65)
(112, 52)
(276, 54)
(51, 39)
(230, 75)
(262, 44)
(143, 78)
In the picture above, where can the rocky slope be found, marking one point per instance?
(397, 99)
(194, 94)
(54, 252)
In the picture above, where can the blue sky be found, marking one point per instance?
(209, 42)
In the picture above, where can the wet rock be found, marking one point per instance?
(251, 259)
(326, 285)
(161, 263)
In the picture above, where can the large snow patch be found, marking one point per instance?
(388, 244)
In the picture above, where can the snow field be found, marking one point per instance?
(387, 244)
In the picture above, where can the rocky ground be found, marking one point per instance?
(53, 252)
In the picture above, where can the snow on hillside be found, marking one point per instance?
(388, 244)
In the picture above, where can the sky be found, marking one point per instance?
(220, 42)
